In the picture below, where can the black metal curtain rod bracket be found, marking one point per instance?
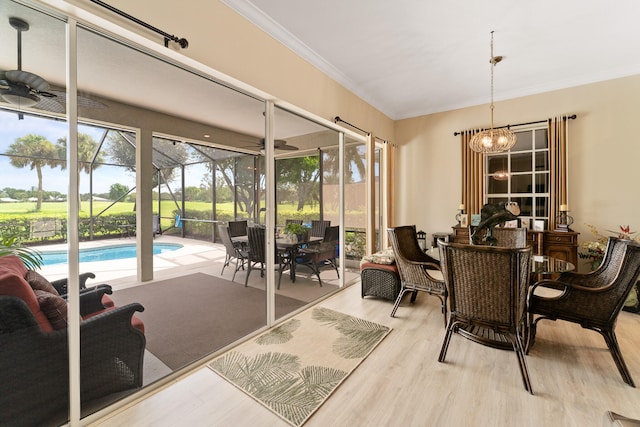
(182, 42)
(571, 117)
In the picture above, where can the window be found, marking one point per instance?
(522, 175)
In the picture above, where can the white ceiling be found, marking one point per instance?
(413, 57)
(406, 58)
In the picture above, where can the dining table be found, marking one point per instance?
(291, 247)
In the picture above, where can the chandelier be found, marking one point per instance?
(493, 140)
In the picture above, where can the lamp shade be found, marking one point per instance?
(493, 141)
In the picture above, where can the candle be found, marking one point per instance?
(461, 207)
(564, 208)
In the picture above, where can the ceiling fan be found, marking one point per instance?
(279, 144)
(20, 87)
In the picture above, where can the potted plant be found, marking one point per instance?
(10, 245)
(299, 230)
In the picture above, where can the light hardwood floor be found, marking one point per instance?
(401, 383)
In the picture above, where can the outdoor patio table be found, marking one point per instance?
(290, 248)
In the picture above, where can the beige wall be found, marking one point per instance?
(222, 39)
(604, 147)
(604, 152)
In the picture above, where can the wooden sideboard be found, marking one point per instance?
(558, 244)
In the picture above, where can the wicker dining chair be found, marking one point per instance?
(592, 300)
(511, 237)
(507, 237)
(416, 269)
(487, 296)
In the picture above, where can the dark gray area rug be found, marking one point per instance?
(191, 316)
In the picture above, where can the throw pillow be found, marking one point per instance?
(53, 307)
(38, 282)
(385, 256)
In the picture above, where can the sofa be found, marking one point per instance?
(34, 369)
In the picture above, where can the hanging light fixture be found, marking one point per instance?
(493, 140)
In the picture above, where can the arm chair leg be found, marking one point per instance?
(398, 300)
(522, 362)
(612, 343)
(445, 343)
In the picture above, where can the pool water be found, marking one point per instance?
(105, 253)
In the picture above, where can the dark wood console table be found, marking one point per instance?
(562, 245)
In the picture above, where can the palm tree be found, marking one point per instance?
(89, 158)
(35, 151)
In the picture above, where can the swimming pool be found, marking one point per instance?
(105, 253)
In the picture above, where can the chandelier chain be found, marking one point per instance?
(493, 140)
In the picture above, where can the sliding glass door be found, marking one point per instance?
(154, 160)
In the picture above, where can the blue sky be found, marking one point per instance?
(25, 178)
(56, 179)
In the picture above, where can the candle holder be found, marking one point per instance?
(564, 221)
(459, 216)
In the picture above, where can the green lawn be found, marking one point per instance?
(167, 208)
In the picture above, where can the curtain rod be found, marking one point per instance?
(571, 117)
(181, 41)
(337, 119)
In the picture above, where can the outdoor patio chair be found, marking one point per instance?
(318, 227)
(237, 228)
(321, 254)
(156, 225)
(487, 296)
(257, 254)
(292, 221)
(233, 251)
(592, 300)
(418, 271)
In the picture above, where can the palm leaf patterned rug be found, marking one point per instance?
(293, 368)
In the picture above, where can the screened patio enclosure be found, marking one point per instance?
(195, 186)
(139, 131)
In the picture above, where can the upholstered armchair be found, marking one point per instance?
(34, 341)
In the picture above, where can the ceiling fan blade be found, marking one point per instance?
(29, 79)
(280, 144)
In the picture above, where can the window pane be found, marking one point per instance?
(542, 160)
(525, 204)
(523, 141)
(521, 183)
(497, 163)
(542, 139)
(542, 183)
(497, 200)
(496, 186)
(521, 162)
(541, 206)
